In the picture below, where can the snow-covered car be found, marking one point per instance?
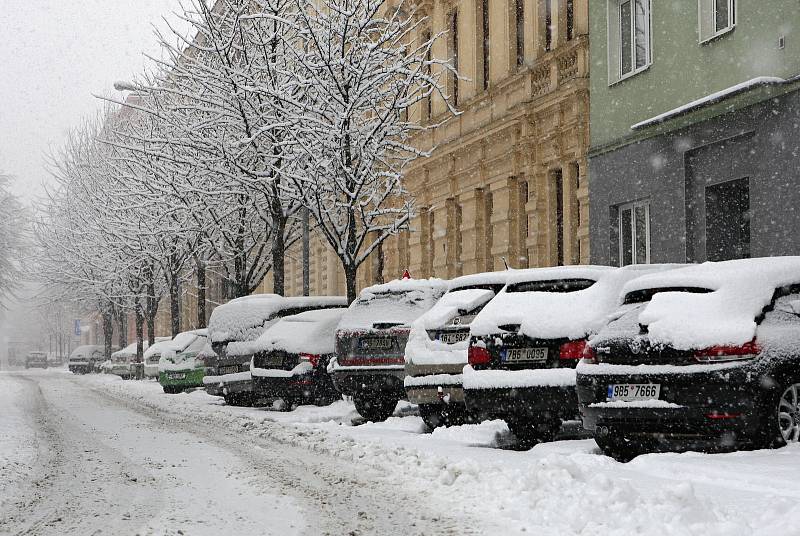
(179, 367)
(371, 341)
(234, 326)
(704, 357)
(526, 343)
(152, 356)
(85, 359)
(292, 358)
(436, 351)
(36, 360)
(121, 361)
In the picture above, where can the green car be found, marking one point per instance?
(183, 368)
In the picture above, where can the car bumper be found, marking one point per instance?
(228, 384)
(434, 389)
(151, 371)
(79, 367)
(120, 370)
(288, 386)
(352, 380)
(181, 378)
(707, 403)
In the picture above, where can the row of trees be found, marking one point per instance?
(268, 108)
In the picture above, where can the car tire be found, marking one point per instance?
(779, 423)
(621, 448)
(239, 399)
(437, 415)
(373, 407)
(532, 432)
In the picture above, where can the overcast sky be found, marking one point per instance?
(55, 55)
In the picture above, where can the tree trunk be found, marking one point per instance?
(278, 254)
(350, 273)
(174, 304)
(139, 330)
(108, 332)
(151, 311)
(122, 325)
(201, 292)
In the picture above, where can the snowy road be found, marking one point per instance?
(86, 462)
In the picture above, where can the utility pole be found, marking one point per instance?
(306, 266)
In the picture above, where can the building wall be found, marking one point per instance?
(684, 70)
(759, 142)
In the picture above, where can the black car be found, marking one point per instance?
(706, 357)
(526, 343)
(291, 364)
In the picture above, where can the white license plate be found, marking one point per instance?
(525, 355)
(176, 376)
(454, 337)
(376, 344)
(634, 391)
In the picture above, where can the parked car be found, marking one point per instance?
(703, 357)
(234, 326)
(178, 367)
(436, 351)
(526, 343)
(36, 359)
(291, 358)
(54, 359)
(371, 341)
(85, 359)
(121, 362)
(152, 356)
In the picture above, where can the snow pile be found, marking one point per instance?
(398, 302)
(422, 350)
(234, 320)
(157, 348)
(310, 332)
(553, 315)
(509, 379)
(726, 316)
(82, 353)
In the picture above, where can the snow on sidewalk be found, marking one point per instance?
(560, 488)
(18, 442)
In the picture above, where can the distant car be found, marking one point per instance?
(292, 358)
(153, 354)
(121, 362)
(526, 343)
(371, 341)
(706, 357)
(437, 348)
(36, 360)
(234, 326)
(179, 368)
(86, 359)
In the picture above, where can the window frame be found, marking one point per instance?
(632, 206)
(712, 19)
(614, 40)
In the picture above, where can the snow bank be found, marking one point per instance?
(726, 316)
(310, 332)
(553, 315)
(400, 301)
(508, 379)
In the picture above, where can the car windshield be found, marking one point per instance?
(645, 295)
(552, 285)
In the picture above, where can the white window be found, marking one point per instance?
(634, 233)
(716, 17)
(629, 41)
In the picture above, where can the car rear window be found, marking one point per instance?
(645, 295)
(552, 285)
(484, 286)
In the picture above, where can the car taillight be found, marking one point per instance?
(311, 358)
(574, 349)
(721, 354)
(477, 355)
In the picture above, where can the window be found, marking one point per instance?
(485, 42)
(570, 20)
(427, 105)
(548, 24)
(716, 17)
(629, 47)
(634, 233)
(519, 22)
(558, 199)
(728, 220)
(452, 52)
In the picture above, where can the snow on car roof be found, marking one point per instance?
(552, 315)
(311, 332)
(400, 301)
(178, 344)
(242, 319)
(485, 278)
(727, 315)
(129, 350)
(85, 349)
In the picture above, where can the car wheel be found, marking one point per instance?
(431, 415)
(373, 407)
(619, 447)
(532, 432)
(781, 422)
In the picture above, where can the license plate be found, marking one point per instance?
(524, 355)
(376, 344)
(232, 369)
(176, 376)
(634, 391)
(273, 360)
(453, 337)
